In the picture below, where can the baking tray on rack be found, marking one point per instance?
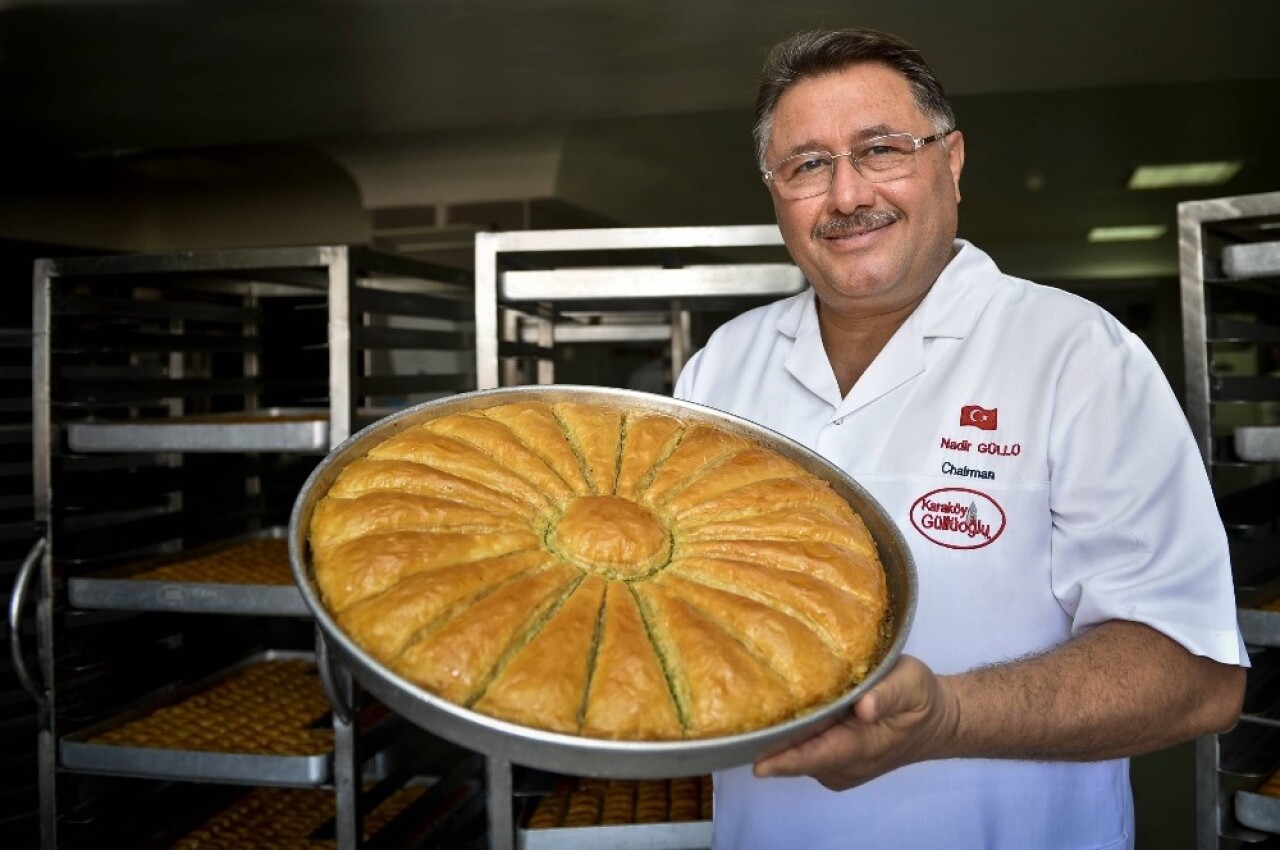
(653, 814)
(1257, 443)
(263, 721)
(1257, 809)
(270, 818)
(694, 835)
(1253, 259)
(269, 430)
(1260, 626)
(249, 575)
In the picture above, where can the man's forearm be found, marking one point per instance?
(1120, 690)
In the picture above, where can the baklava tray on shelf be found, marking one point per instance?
(247, 575)
(271, 817)
(263, 721)
(650, 814)
(1260, 808)
(268, 430)
(1257, 443)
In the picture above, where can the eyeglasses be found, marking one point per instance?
(878, 160)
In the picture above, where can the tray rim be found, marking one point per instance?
(659, 835)
(580, 755)
(117, 588)
(76, 751)
(285, 429)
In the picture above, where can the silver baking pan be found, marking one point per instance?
(80, 752)
(1257, 444)
(271, 430)
(693, 835)
(121, 589)
(1259, 627)
(582, 756)
(1258, 811)
(1255, 259)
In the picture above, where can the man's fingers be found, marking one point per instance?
(790, 762)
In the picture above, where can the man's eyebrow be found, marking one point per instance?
(809, 146)
(814, 146)
(875, 130)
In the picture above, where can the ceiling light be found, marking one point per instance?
(1183, 174)
(1127, 233)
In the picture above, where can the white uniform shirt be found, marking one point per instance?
(1043, 474)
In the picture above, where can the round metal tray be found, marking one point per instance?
(582, 756)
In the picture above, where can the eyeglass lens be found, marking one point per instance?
(878, 160)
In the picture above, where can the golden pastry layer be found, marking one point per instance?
(260, 561)
(278, 818)
(613, 802)
(583, 570)
(270, 708)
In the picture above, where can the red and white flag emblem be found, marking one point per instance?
(978, 417)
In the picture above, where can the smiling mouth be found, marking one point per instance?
(854, 225)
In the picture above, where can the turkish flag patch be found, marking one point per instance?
(978, 417)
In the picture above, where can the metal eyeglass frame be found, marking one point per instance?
(916, 144)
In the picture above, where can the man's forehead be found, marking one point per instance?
(843, 107)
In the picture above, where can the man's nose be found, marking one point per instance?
(849, 189)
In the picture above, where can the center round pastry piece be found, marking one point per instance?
(611, 536)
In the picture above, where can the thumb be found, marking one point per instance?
(893, 694)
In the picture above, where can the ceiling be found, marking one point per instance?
(1058, 101)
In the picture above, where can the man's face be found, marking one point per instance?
(884, 243)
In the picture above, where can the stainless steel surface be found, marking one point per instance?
(348, 814)
(270, 430)
(695, 835)
(42, 483)
(1257, 443)
(493, 326)
(1259, 811)
(567, 753)
(735, 280)
(336, 681)
(119, 589)
(343, 365)
(501, 812)
(1259, 627)
(17, 602)
(1257, 259)
(78, 752)
(619, 332)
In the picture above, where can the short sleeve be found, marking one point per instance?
(1136, 531)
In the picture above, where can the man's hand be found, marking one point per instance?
(907, 717)
(1119, 690)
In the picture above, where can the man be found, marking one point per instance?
(1075, 603)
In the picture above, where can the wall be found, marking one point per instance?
(235, 197)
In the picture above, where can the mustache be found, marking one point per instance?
(855, 223)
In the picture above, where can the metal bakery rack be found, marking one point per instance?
(541, 294)
(1230, 287)
(622, 307)
(18, 792)
(179, 401)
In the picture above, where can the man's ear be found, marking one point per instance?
(955, 158)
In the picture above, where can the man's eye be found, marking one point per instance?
(808, 165)
(879, 150)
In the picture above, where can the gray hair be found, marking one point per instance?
(818, 52)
